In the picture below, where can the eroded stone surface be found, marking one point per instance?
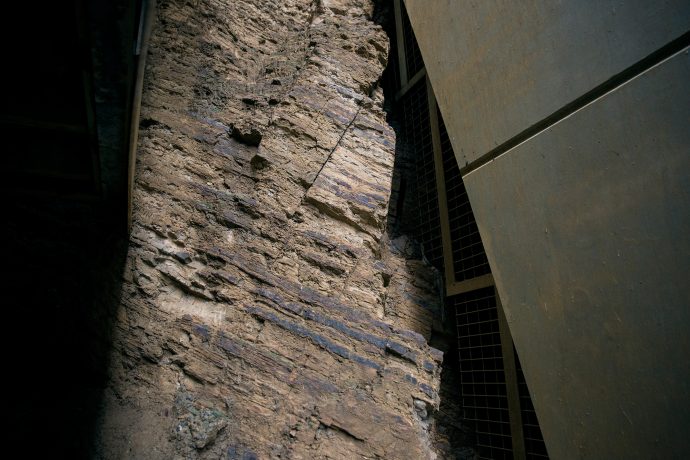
(265, 312)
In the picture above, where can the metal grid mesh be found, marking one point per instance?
(535, 448)
(482, 378)
(482, 375)
(469, 258)
(417, 136)
(413, 55)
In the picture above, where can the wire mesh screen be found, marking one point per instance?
(413, 55)
(417, 136)
(482, 377)
(469, 258)
(535, 448)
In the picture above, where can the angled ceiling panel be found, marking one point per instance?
(498, 68)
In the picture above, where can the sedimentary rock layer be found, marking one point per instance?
(265, 312)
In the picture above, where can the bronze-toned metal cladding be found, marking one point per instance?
(587, 230)
(500, 68)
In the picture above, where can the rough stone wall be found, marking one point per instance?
(265, 312)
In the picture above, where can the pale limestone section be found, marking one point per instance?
(265, 312)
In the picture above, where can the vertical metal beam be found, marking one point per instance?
(400, 36)
(512, 390)
(142, 46)
(448, 268)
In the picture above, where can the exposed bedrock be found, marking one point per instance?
(265, 311)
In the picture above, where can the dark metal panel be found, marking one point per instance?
(587, 230)
(500, 67)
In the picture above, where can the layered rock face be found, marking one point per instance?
(265, 312)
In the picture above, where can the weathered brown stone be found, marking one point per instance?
(265, 312)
